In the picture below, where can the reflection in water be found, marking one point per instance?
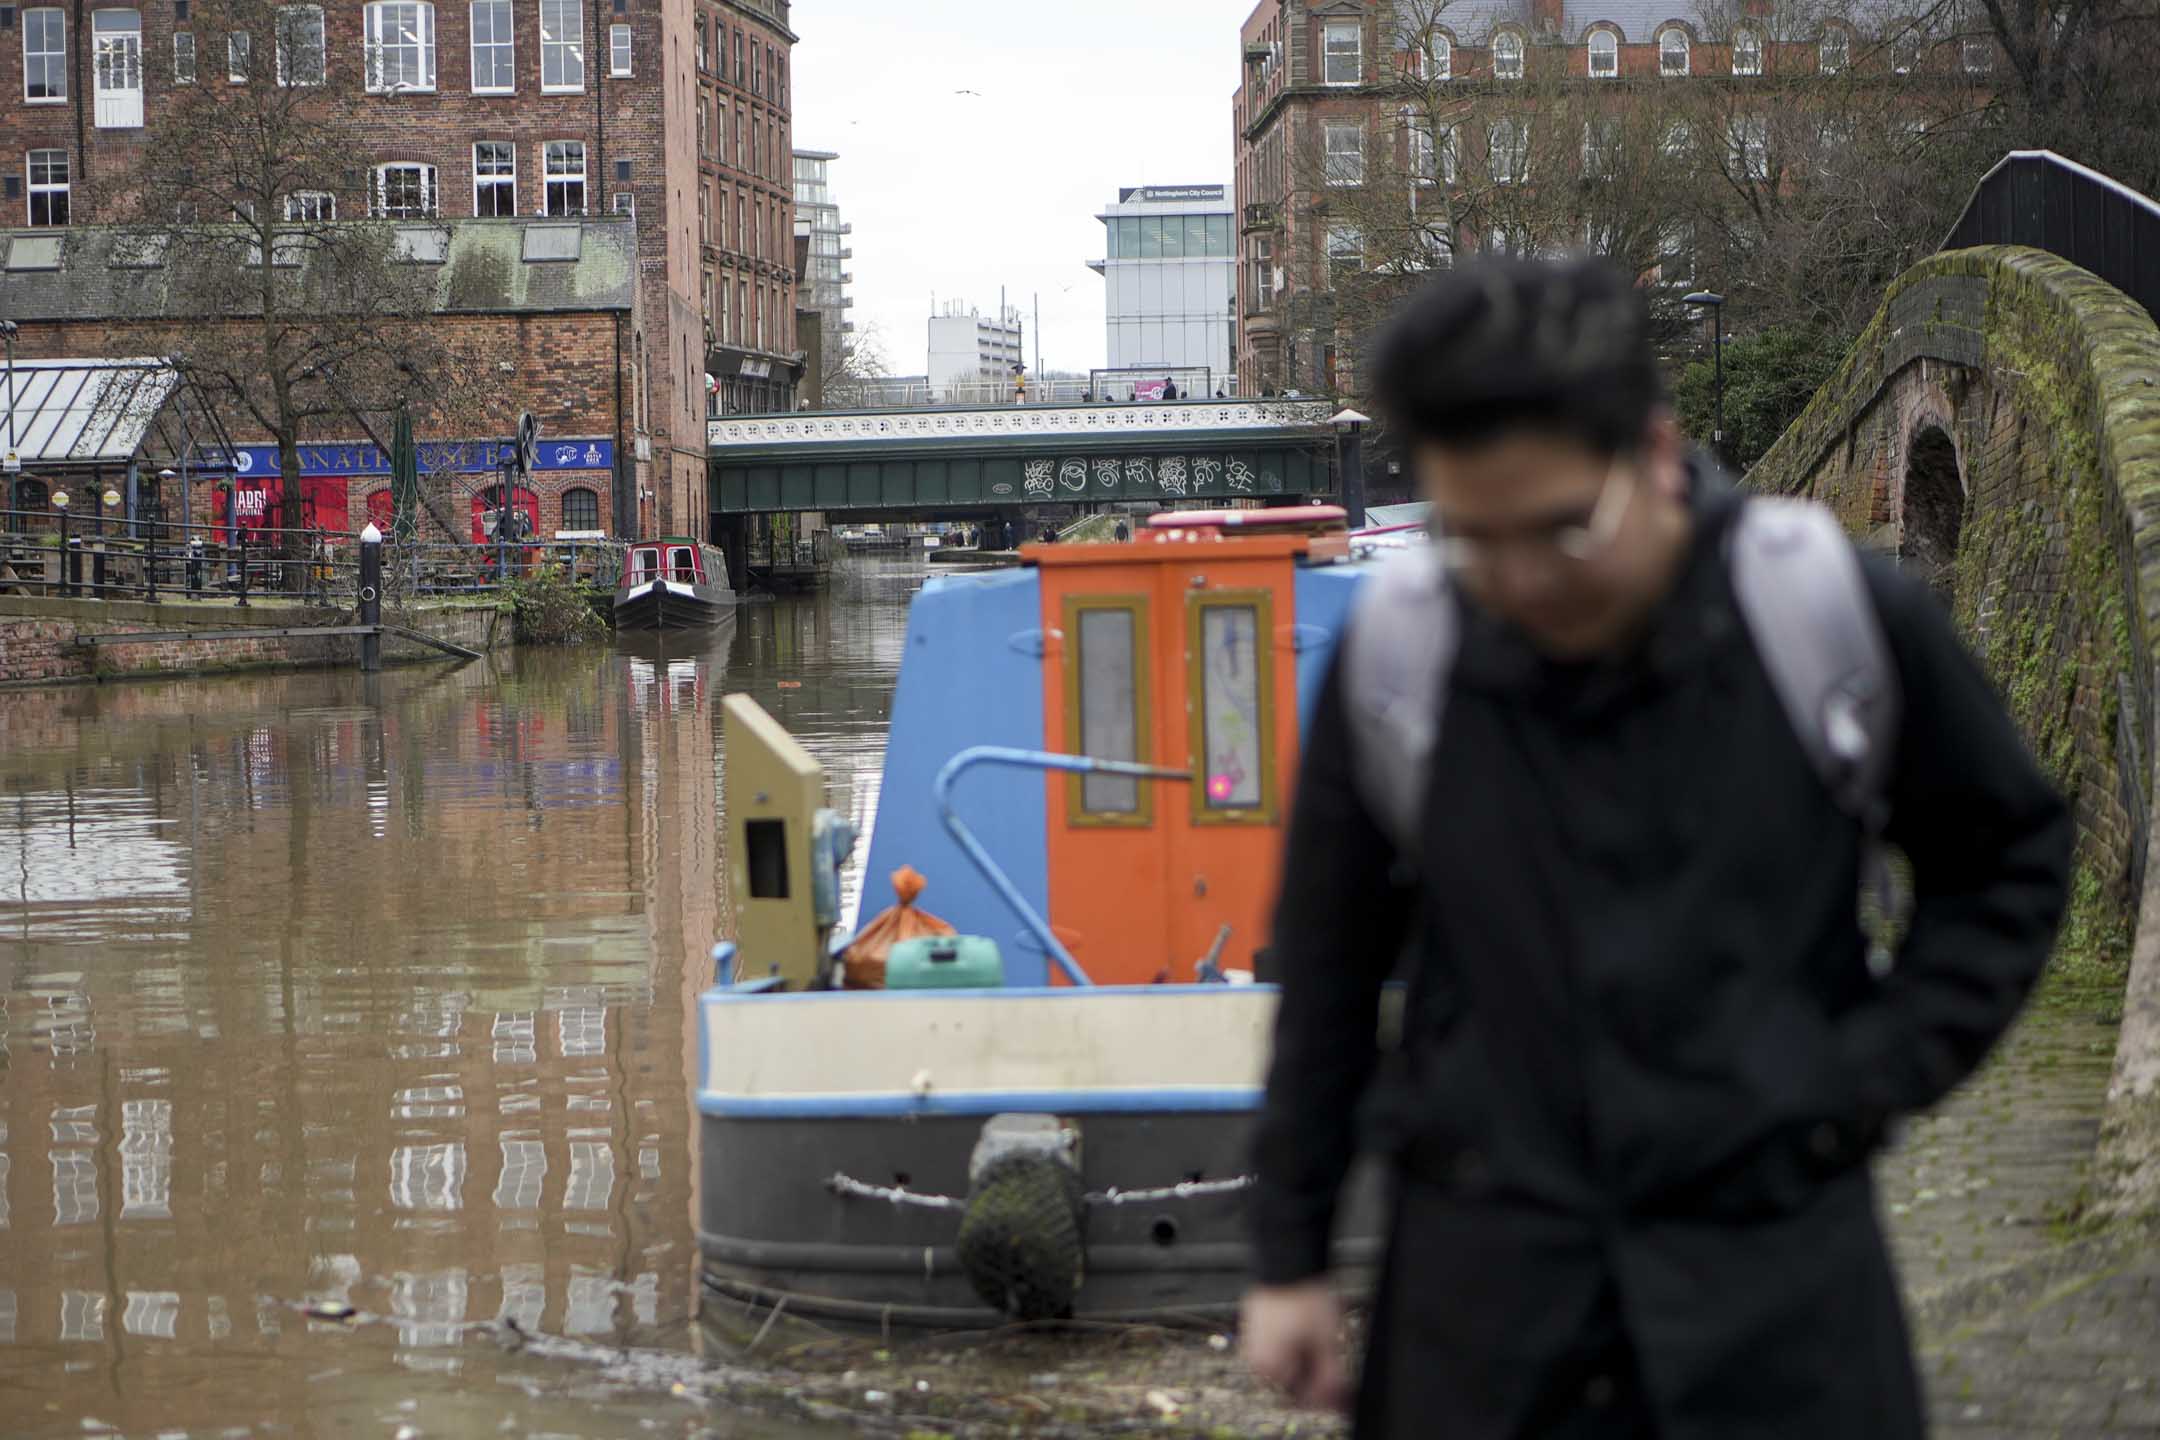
(374, 990)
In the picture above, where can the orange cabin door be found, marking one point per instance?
(1179, 660)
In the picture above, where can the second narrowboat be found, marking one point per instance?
(674, 583)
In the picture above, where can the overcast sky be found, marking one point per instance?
(958, 194)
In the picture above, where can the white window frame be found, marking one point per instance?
(379, 191)
(499, 46)
(1749, 138)
(623, 202)
(381, 41)
(63, 187)
(1747, 51)
(1262, 271)
(239, 56)
(552, 179)
(1833, 53)
(45, 56)
(1517, 154)
(116, 54)
(1674, 51)
(1977, 55)
(1420, 150)
(1439, 57)
(1507, 56)
(1330, 31)
(618, 51)
(1600, 147)
(1679, 140)
(494, 179)
(1343, 164)
(1604, 46)
(183, 57)
(562, 51)
(310, 207)
(1340, 254)
(1905, 49)
(322, 46)
(1448, 150)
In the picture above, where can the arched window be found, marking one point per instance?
(1604, 55)
(1835, 52)
(1507, 56)
(580, 509)
(1747, 51)
(1673, 52)
(1439, 57)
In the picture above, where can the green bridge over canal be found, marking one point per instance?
(978, 460)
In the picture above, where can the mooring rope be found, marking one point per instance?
(854, 1189)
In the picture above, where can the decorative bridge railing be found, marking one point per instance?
(1013, 456)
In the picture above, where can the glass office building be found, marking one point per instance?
(1169, 277)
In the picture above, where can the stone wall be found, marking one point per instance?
(40, 640)
(1998, 426)
(2022, 383)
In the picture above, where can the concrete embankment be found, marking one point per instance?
(46, 641)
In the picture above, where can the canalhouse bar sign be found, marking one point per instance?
(464, 457)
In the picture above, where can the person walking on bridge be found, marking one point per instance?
(1603, 771)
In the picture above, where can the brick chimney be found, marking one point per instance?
(1546, 18)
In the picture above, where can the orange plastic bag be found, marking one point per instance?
(863, 962)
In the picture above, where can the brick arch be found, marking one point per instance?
(2013, 385)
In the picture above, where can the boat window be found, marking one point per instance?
(1231, 679)
(643, 565)
(683, 563)
(1106, 688)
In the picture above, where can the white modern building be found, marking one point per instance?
(823, 287)
(972, 354)
(1170, 279)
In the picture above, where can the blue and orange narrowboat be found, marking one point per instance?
(1047, 1113)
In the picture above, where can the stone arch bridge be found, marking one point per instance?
(1997, 428)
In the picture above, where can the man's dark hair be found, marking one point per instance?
(1497, 345)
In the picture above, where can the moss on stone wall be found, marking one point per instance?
(2058, 565)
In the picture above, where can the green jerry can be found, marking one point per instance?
(945, 962)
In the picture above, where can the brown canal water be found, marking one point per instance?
(376, 990)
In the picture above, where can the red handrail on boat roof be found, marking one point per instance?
(1285, 517)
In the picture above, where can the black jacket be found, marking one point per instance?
(1643, 1055)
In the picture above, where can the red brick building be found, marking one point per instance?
(553, 329)
(1467, 109)
(672, 112)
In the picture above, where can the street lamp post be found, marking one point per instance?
(66, 553)
(1715, 303)
(13, 463)
(1350, 463)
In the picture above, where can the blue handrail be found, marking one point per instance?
(991, 870)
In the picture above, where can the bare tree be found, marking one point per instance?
(850, 365)
(276, 305)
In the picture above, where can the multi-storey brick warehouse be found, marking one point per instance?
(486, 108)
(1502, 124)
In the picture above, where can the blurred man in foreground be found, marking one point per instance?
(1605, 769)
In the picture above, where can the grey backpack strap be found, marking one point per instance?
(1396, 656)
(1805, 601)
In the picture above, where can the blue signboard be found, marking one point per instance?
(466, 457)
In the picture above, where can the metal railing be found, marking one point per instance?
(1118, 388)
(44, 552)
(2038, 198)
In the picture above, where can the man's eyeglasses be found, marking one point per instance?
(1565, 541)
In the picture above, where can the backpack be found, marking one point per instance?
(1805, 604)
